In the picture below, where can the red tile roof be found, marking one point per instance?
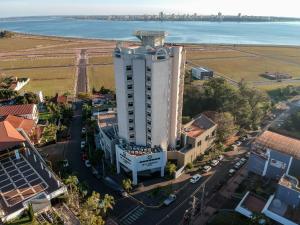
(16, 110)
(281, 143)
(62, 99)
(9, 136)
(19, 122)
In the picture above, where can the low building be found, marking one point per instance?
(108, 134)
(25, 177)
(140, 159)
(200, 73)
(27, 111)
(14, 83)
(277, 157)
(198, 136)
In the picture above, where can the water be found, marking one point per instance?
(277, 33)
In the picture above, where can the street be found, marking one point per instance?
(82, 75)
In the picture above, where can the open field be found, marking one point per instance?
(236, 62)
(49, 80)
(35, 62)
(101, 76)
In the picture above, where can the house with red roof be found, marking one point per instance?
(27, 111)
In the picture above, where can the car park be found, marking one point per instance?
(206, 169)
(231, 172)
(170, 199)
(87, 163)
(214, 162)
(194, 179)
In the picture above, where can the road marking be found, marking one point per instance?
(132, 216)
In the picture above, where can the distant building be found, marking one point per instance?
(14, 83)
(198, 136)
(200, 73)
(27, 111)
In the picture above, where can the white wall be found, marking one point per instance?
(139, 101)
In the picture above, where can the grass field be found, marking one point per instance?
(49, 80)
(101, 76)
(248, 68)
(100, 59)
(36, 62)
(21, 43)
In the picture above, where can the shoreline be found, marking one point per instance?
(32, 35)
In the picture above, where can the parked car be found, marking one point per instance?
(243, 160)
(195, 178)
(65, 163)
(237, 165)
(83, 130)
(206, 169)
(220, 157)
(247, 154)
(231, 172)
(238, 143)
(214, 162)
(170, 199)
(87, 163)
(84, 156)
(82, 144)
(96, 173)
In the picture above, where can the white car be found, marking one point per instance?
(83, 130)
(87, 163)
(195, 178)
(248, 154)
(206, 169)
(220, 157)
(214, 162)
(243, 160)
(237, 165)
(82, 144)
(231, 172)
(238, 143)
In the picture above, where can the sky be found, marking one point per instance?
(12, 8)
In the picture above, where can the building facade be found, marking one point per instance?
(200, 73)
(149, 89)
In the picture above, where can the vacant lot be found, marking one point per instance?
(49, 80)
(101, 76)
(101, 60)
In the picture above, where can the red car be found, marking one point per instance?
(84, 157)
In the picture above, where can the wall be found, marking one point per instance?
(256, 164)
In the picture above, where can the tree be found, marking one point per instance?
(107, 203)
(7, 94)
(72, 183)
(259, 218)
(90, 211)
(49, 133)
(226, 126)
(171, 168)
(127, 184)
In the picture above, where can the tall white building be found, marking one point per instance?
(149, 88)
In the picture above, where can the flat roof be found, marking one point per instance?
(23, 178)
(138, 150)
(107, 119)
(278, 142)
(254, 203)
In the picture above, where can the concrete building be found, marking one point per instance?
(198, 136)
(200, 73)
(149, 88)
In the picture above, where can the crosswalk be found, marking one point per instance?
(133, 216)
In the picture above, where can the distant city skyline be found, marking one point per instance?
(14, 8)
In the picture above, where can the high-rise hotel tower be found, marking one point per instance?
(149, 87)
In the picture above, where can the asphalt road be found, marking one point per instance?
(82, 75)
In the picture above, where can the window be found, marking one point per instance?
(129, 87)
(148, 69)
(129, 77)
(130, 95)
(130, 120)
(149, 138)
(148, 106)
(148, 78)
(128, 68)
(131, 136)
(130, 112)
(148, 97)
(148, 88)
(213, 133)
(130, 104)
(207, 137)
(131, 128)
(148, 114)
(199, 143)
(149, 122)
(149, 130)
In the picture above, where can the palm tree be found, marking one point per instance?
(127, 184)
(107, 203)
(72, 183)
